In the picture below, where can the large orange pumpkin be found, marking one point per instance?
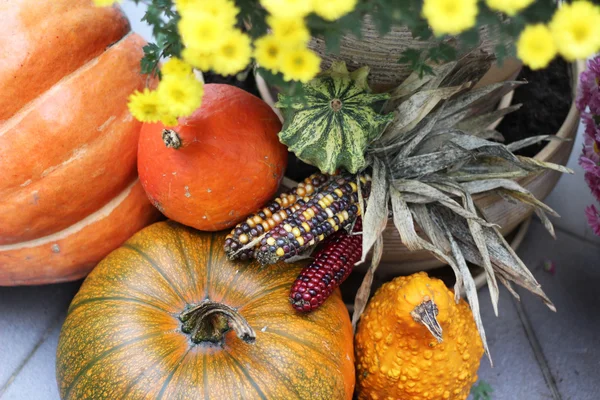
(68, 188)
(167, 316)
(218, 165)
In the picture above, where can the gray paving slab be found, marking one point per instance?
(569, 338)
(25, 314)
(515, 374)
(37, 379)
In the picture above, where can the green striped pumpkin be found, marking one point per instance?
(168, 316)
(332, 125)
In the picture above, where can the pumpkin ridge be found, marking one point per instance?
(96, 216)
(141, 375)
(209, 263)
(105, 354)
(293, 338)
(31, 105)
(247, 375)
(82, 303)
(205, 377)
(264, 293)
(174, 369)
(232, 283)
(155, 266)
(183, 251)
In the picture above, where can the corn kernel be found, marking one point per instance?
(329, 212)
(331, 222)
(278, 200)
(285, 202)
(276, 218)
(353, 186)
(336, 228)
(296, 231)
(306, 215)
(309, 189)
(271, 241)
(280, 252)
(257, 220)
(287, 227)
(300, 240)
(301, 192)
(322, 204)
(265, 226)
(283, 214)
(250, 223)
(310, 212)
(345, 215)
(243, 238)
(271, 223)
(291, 198)
(306, 227)
(339, 192)
(330, 198)
(311, 242)
(363, 179)
(321, 237)
(267, 212)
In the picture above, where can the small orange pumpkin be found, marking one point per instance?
(218, 165)
(168, 316)
(414, 342)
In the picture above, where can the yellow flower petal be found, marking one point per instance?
(105, 3)
(200, 59)
(300, 65)
(224, 11)
(199, 30)
(509, 7)
(333, 9)
(176, 66)
(450, 16)
(576, 30)
(535, 46)
(145, 106)
(288, 8)
(180, 95)
(233, 54)
(267, 52)
(291, 31)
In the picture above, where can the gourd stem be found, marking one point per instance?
(426, 314)
(210, 320)
(171, 138)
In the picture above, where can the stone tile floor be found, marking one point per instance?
(537, 354)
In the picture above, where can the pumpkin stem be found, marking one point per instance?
(171, 138)
(426, 314)
(209, 321)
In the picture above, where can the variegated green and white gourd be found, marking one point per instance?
(335, 121)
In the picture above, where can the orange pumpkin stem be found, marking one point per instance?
(426, 314)
(171, 138)
(210, 320)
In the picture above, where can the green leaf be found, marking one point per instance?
(442, 53)
(482, 391)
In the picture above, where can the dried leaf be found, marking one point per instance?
(479, 123)
(376, 215)
(364, 291)
(544, 165)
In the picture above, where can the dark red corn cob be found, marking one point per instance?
(335, 206)
(331, 266)
(271, 216)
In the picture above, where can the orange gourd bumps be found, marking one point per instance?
(399, 358)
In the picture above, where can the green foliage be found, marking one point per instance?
(482, 391)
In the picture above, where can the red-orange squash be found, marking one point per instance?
(168, 316)
(68, 188)
(218, 165)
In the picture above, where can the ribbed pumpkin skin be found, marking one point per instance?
(67, 139)
(229, 164)
(335, 121)
(398, 358)
(122, 337)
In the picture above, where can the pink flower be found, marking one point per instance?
(589, 93)
(593, 218)
(593, 181)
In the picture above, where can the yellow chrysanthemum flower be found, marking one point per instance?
(509, 7)
(180, 95)
(288, 8)
(333, 9)
(200, 30)
(267, 51)
(535, 46)
(145, 106)
(176, 66)
(105, 3)
(289, 30)
(450, 16)
(576, 30)
(169, 120)
(233, 55)
(300, 65)
(222, 10)
(200, 59)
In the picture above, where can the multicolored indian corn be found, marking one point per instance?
(334, 206)
(271, 216)
(331, 266)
